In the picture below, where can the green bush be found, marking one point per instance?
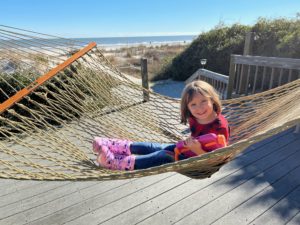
(215, 46)
(277, 38)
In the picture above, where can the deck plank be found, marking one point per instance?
(69, 207)
(248, 166)
(11, 187)
(107, 212)
(55, 201)
(166, 200)
(60, 190)
(262, 188)
(295, 220)
(283, 211)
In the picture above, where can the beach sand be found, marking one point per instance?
(128, 60)
(114, 47)
(118, 55)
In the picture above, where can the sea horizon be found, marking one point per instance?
(107, 43)
(136, 40)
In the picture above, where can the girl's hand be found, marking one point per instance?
(194, 145)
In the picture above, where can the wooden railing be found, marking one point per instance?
(252, 74)
(217, 80)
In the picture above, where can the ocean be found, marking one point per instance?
(104, 42)
(143, 40)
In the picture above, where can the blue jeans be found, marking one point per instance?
(152, 154)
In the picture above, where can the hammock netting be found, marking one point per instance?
(47, 128)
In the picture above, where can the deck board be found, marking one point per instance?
(81, 202)
(283, 210)
(295, 220)
(261, 186)
(206, 200)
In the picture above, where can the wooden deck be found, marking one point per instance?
(261, 186)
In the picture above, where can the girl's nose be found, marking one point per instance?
(199, 106)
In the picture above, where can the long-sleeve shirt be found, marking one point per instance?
(218, 126)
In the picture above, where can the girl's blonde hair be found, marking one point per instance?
(202, 88)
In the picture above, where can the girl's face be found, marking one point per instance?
(201, 108)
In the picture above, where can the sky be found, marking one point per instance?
(125, 18)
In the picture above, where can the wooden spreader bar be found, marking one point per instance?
(42, 79)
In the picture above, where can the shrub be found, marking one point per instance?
(277, 38)
(215, 45)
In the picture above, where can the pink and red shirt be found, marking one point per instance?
(218, 126)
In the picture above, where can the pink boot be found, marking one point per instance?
(112, 161)
(116, 146)
(105, 158)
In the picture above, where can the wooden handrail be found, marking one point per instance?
(287, 63)
(42, 79)
(208, 74)
(251, 74)
(217, 80)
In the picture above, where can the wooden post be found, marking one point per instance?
(145, 82)
(248, 47)
(231, 77)
(248, 50)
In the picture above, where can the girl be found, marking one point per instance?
(200, 106)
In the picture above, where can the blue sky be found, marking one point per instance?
(113, 18)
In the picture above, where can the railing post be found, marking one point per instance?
(231, 78)
(244, 76)
(249, 40)
(145, 81)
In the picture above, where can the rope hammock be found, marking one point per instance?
(56, 95)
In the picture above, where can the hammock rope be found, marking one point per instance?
(46, 133)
